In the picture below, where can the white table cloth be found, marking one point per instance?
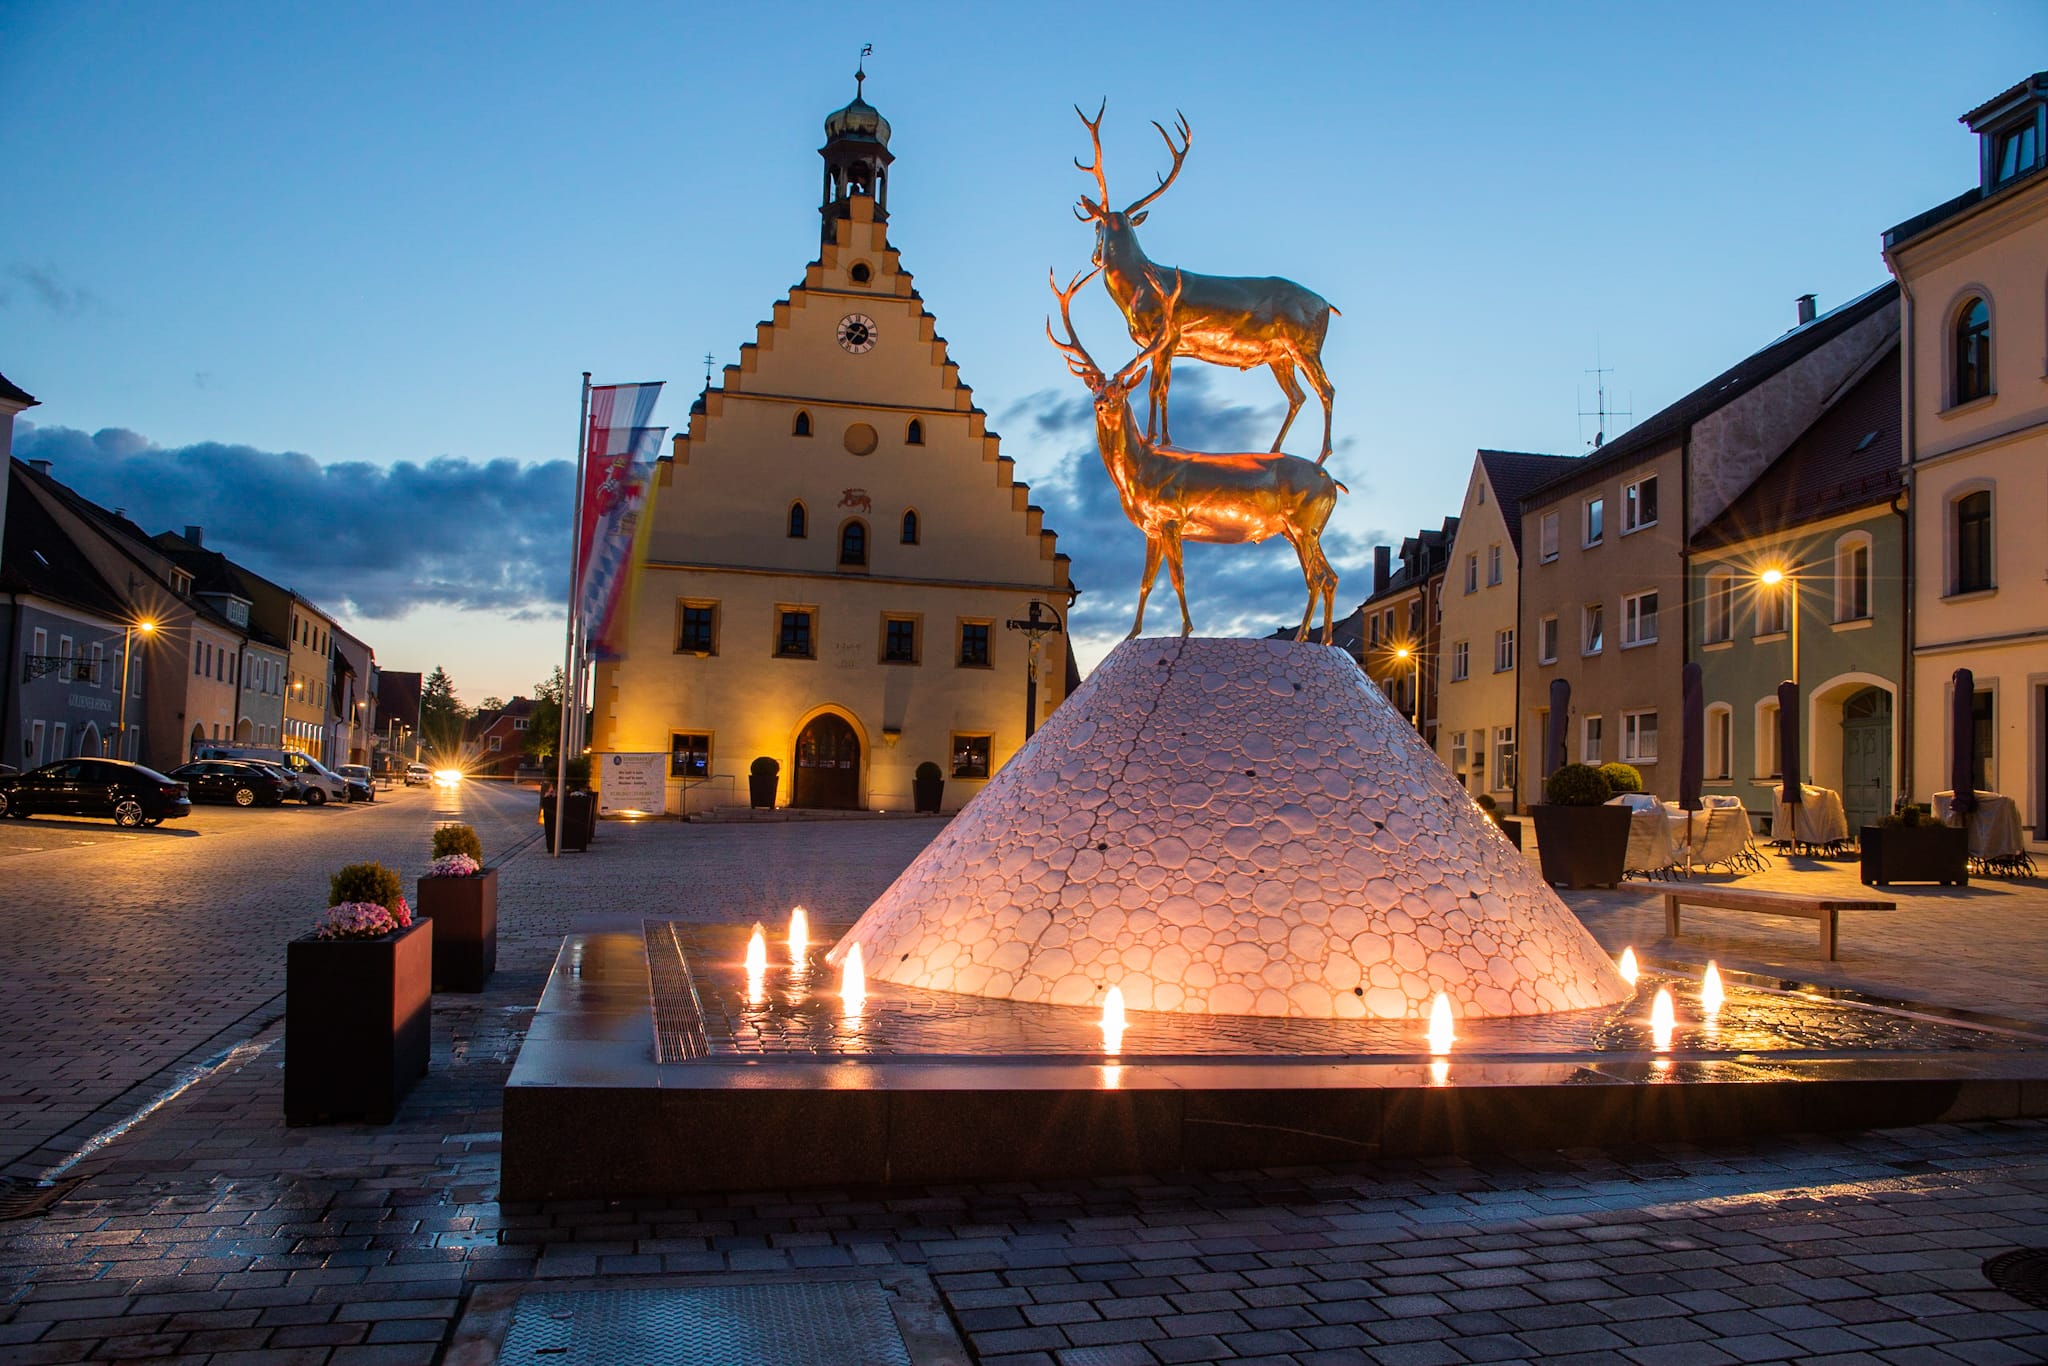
(1995, 830)
(1818, 819)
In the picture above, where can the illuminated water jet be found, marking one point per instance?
(1627, 966)
(853, 981)
(799, 935)
(1663, 1018)
(1440, 1035)
(1712, 996)
(1113, 1021)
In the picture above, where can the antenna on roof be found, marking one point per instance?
(1600, 410)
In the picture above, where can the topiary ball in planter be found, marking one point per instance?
(928, 787)
(371, 882)
(457, 839)
(1578, 785)
(1622, 778)
(1580, 840)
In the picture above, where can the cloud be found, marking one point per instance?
(48, 287)
(384, 539)
(1233, 590)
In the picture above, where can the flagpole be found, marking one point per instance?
(569, 649)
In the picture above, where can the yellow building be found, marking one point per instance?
(1973, 273)
(837, 548)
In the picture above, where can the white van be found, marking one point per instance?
(317, 783)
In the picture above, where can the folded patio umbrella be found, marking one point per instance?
(1963, 741)
(1788, 742)
(1560, 717)
(1692, 740)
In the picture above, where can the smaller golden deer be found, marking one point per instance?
(1174, 495)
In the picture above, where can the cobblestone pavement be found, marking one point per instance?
(211, 1232)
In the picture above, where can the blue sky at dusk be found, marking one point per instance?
(323, 278)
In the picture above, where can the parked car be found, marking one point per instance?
(232, 780)
(292, 789)
(317, 783)
(132, 794)
(361, 786)
(418, 775)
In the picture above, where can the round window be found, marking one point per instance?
(860, 273)
(861, 438)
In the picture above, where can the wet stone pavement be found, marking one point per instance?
(210, 1231)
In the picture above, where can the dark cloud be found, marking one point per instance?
(383, 539)
(1233, 590)
(47, 285)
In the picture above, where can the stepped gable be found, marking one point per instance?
(1232, 827)
(802, 325)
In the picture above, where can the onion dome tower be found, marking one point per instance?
(857, 157)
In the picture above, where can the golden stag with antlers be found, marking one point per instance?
(1174, 496)
(1242, 322)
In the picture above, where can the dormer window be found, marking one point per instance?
(181, 584)
(2018, 150)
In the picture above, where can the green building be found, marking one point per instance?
(1828, 516)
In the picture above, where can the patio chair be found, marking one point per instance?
(1651, 850)
(1722, 841)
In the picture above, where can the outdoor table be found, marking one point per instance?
(1819, 819)
(1995, 831)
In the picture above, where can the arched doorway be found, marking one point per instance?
(89, 742)
(1866, 756)
(198, 740)
(828, 764)
(245, 731)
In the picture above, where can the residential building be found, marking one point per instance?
(13, 399)
(353, 706)
(494, 740)
(838, 548)
(1623, 516)
(1826, 521)
(64, 628)
(1401, 615)
(263, 668)
(1973, 277)
(1478, 656)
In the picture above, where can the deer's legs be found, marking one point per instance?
(1162, 380)
(1319, 380)
(1170, 534)
(1283, 370)
(1152, 551)
(1314, 570)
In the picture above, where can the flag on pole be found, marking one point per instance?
(618, 451)
(608, 634)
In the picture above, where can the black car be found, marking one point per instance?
(130, 793)
(361, 786)
(225, 780)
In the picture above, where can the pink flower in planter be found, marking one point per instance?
(359, 920)
(454, 865)
(402, 913)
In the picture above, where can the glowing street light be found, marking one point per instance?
(1404, 654)
(147, 627)
(1776, 576)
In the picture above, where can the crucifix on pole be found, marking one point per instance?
(1036, 626)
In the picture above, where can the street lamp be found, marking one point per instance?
(1405, 653)
(147, 627)
(1035, 626)
(1789, 578)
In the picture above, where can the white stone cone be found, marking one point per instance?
(1242, 827)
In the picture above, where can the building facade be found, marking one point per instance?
(1620, 520)
(1975, 358)
(494, 741)
(1400, 620)
(1478, 659)
(263, 666)
(837, 549)
(1803, 578)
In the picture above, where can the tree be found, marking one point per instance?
(441, 714)
(493, 703)
(544, 724)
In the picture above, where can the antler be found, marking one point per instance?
(1180, 154)
(1078, 360)
(1094, 210)
(1130, 374)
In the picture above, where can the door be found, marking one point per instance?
(1867, 757)
(828, 764)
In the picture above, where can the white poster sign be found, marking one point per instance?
(632, 784)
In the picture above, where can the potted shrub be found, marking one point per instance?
(579, 809)
(1580, 840)
(1910, 845)
(460, 896)
(358, 1002)
(1622, 778)
(1505, 824)
(928, 787)
(762, 777)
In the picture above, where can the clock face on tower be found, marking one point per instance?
(857, 332)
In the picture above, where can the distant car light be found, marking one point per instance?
(447, 777)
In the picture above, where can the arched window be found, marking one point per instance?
(913, 435)
(1852, 577)
(1973, 351)
(1970, 535)
(910, 526)
(853, 545)
(802, 426)
(799, 522)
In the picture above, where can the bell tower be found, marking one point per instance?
(857, 157)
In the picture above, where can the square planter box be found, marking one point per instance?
(465, 915)
(1919, 853)
(1581, 846)
(358, 1024)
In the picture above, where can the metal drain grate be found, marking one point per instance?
(2022, 1274)
(21, 1198)
(820, 1324)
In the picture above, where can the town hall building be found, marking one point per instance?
(836, 549)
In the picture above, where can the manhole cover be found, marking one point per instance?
(2022, 1274)
(21, 1198)
(823, 1324)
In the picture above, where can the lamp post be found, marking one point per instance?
(1772, 577)
(147, 627)
(1405, 653)
(1035, 626)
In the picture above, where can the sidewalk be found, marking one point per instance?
(211, 1232)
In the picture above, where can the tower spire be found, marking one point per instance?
(856, 153)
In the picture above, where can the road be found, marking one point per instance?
(127, 956)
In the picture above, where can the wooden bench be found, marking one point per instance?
(1825, 909)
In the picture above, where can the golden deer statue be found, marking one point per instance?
(1242, 322)
(1174, 496)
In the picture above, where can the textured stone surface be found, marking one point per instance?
(1240, 827)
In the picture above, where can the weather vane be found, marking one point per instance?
(861, 72)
